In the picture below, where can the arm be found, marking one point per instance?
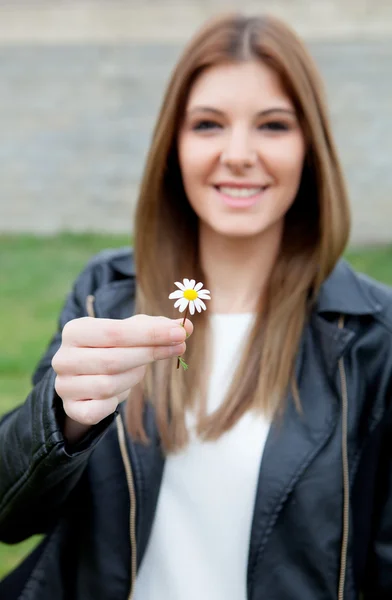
(378, 572)
(91, 364)
(37, 470)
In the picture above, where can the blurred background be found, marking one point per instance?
(80, 85)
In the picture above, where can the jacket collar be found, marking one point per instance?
(123, 262)
(343, 292)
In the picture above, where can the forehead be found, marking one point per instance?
(249, 83)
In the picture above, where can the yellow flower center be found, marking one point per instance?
(190, 294)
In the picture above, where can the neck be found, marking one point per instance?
(237, 270)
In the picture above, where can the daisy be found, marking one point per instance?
(190, 296)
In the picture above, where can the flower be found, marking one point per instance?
(190, 294)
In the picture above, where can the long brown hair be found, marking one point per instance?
(166, 237)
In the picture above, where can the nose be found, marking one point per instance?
(238, 153)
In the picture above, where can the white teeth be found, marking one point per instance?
(240, 192)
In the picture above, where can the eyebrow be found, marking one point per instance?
(261, 113)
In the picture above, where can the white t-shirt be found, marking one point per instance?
(199, 542)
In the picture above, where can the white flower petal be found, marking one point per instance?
(180, 285)
(200, 304)
(205, 294)
(198, 286)
(197, 305)
(183, 305)
(192, 283)
(186, 283)
(176, 294)
(178, 302)
(192, 307)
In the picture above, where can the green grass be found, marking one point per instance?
(35, 275)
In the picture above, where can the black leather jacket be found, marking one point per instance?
(84, 500)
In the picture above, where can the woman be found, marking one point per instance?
(263, 471)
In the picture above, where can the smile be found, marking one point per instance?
(240, 197)
(240, 192)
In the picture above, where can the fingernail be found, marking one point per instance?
(177, 334)
(177, 350)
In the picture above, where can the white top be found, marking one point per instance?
(199, 542)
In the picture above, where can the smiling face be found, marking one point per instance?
(241, 150)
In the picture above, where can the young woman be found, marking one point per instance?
(263, 471)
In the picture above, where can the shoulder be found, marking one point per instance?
(382, 295)
(349, 292)
(106, 267)
(118, 261)
(366, 305)
(110, 278)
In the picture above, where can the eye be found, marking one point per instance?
(275, 126)
(205, 125)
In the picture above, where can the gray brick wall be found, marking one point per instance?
(76, 118)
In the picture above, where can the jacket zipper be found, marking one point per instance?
(346, 476)
(128, 473)
(132, 497)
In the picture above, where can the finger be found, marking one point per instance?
(188, 325)
(97, 387)
(90, 412)
(139, 330)
(109, 361)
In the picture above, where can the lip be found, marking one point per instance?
(239, 185)
(240, 202)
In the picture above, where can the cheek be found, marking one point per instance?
(188, 160)
(196, 159)
(191, 163)
(285, 161)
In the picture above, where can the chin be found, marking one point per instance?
(246, 226)
(240, 232)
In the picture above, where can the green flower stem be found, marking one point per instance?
(187, 334)
(181, 361)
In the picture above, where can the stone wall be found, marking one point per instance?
(80, 85)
